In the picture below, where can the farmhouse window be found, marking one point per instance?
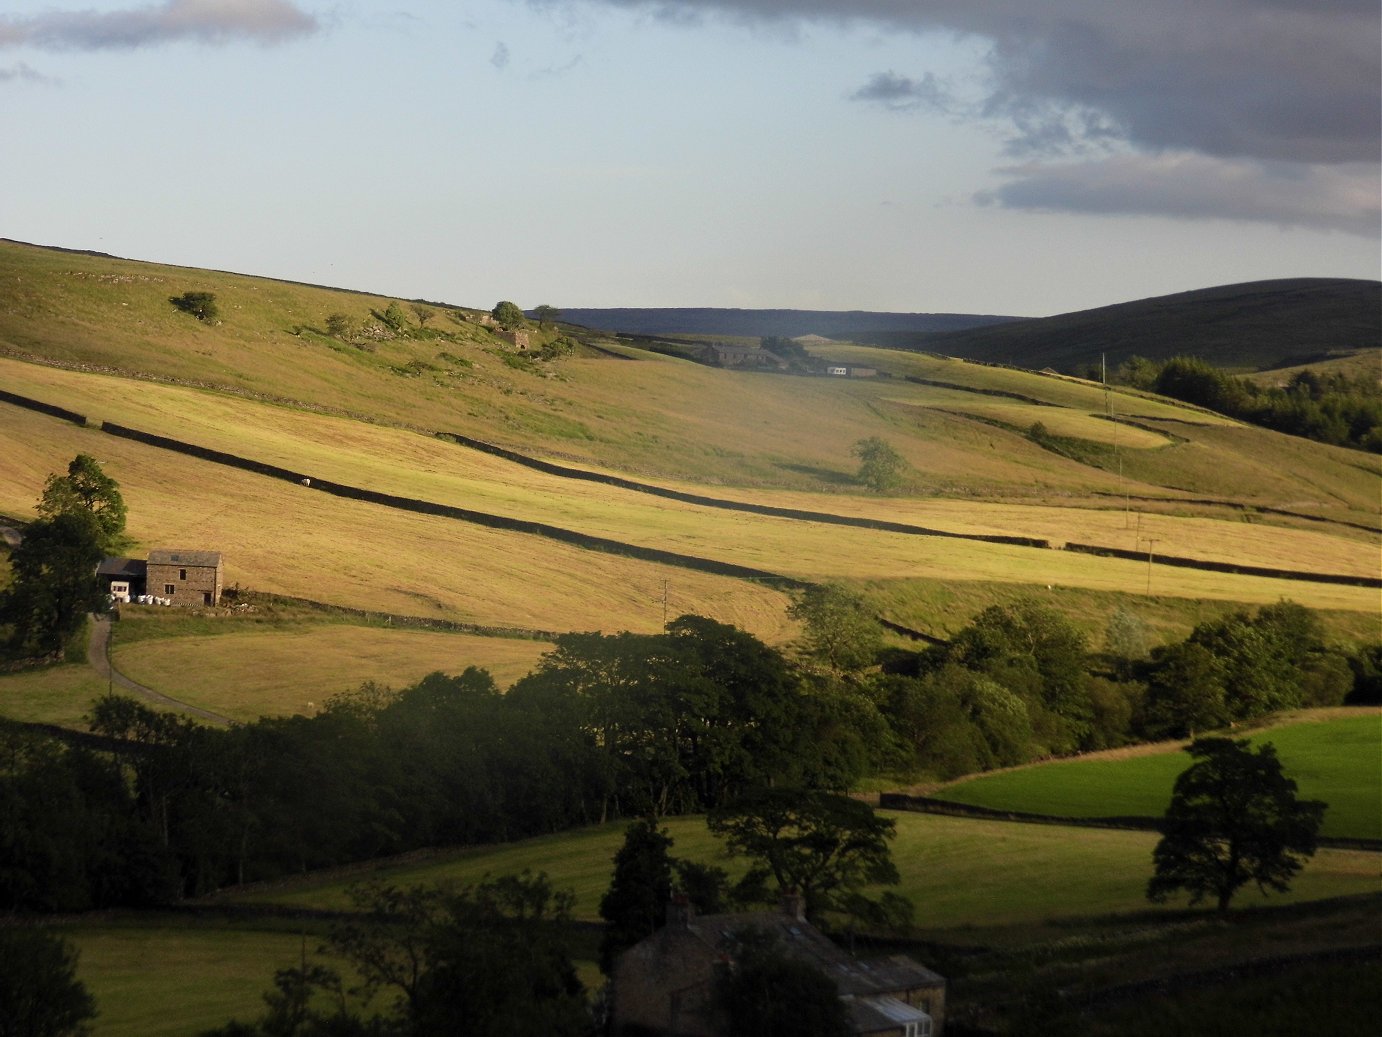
(169, 589)
(182, 574)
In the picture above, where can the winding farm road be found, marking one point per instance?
(98, 655)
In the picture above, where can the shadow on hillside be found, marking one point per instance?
(825, 475)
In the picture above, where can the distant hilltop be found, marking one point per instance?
(852, 325)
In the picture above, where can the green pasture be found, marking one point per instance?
(246, 675)
(172, 977)
(969, 881)
(1335, 758)
(59, 695)
(958, 872)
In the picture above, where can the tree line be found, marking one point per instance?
(690, 720)
(1330, 408)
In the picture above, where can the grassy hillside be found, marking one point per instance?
(1331, 757)
(1262, 324)
(1041, 894)
(1117, 470)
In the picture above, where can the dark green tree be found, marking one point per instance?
(488, 960)
(818, 844)
(762, 991)
(841, 633)
(40, 994)
(86, 487)
(340, 325)
(545, 314)
(881, 467)
(54, 582)
(1233, 819)
(394, 317)
(635, 905)
(508, 314)
(201, 305)
(423, 314)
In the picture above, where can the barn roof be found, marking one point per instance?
(131, 568)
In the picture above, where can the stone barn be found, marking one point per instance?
(185, 577)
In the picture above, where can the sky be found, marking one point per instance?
(1023, 157)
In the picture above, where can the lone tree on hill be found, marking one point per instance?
(201, 305)
(1233, 819)
(508, 314)
(546, 314)
(881, 468)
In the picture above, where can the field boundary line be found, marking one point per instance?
(929, 805)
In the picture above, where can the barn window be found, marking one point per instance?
(182, 574)
(169, 588)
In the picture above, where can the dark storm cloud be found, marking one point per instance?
(1273, 79)
(203, 21)
(1189, 186)
(1243, 84)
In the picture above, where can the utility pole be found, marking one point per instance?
(1151, 543)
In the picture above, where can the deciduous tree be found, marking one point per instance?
(54, 582)
(86, 487)
(840, 630)
(201, 305)
(40, 994)
(881, 467)
(818, 844)
(508, 314)
(1233, 819)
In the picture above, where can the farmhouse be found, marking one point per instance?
(849, 371)
(186, 577)
(183, 577)
(664, 984)
(721, 354)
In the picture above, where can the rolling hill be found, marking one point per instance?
(454, 478)
(851, 325)
(1262, 324)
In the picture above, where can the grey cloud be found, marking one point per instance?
(901, 93)
(500, 58)
(1290, 80)
(202, 21)
(24, 74)
(1189, 186)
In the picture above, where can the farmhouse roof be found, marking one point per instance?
(675, 967)
(179, 556)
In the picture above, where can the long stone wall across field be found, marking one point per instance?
(930, 805)
(43, 408)
(798, 514)
(480, 518)
(1226, 567)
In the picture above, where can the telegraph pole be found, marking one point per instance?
(1151, 543)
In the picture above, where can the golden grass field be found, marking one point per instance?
(268, 384)
(246, 675)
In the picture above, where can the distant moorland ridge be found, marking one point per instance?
(853, 325)
(1258, 325)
